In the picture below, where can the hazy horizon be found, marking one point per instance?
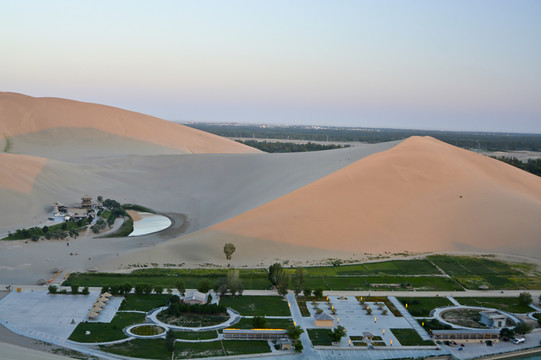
(456, 66)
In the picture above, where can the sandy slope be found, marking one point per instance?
(21, 114)
(422, 195)
(18, 172)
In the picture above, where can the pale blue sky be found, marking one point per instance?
(459, 65)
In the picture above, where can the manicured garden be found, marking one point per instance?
(508, 304)
(257, 305)
(102, 332)
(196, 335)
(422, 306)
(319, 336)
(247, 323)
(410, 337)
(144, 302)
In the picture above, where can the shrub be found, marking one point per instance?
(74, 289)
(85, 291)
(53, 289)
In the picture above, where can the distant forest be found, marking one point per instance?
(467, 140)
(533, 166)
(286, 147)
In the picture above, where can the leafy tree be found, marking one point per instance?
(45, 229)
(294, 332)
(318, 292)
(203, 286)
(523, 328)
(337, 333)
(259, 322)
(525, 298)
(158, 289)
(53, 289)
(283, 283)
(274, 272)
(170, 340)
(147, 289)
(298, 346)
(126, 288)
(507, 333)
(229, 249)
(74, 289)
(299, 280)
(85, 291)
(233, 282)
(307, 292)
(100, 198)
(64, 226)
(139, 289)
(179, 285)
(34, 238)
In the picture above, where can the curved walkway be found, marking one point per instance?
(439, 311)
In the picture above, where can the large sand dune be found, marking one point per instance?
(21, 114)
(422, 195)
(417, 195)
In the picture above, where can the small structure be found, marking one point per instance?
(323, 320)
(493, 319)
(92, 315)
(254, 334)
(472, 335)
(106, 294)
(284, 343)
(86, 202)
(483, 287)
(195, 297)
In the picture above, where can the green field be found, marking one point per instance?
(246, 323)
(319, 336)
(421, 306)
(509, 304)
(257, 305)
(101, 332)
(385, 282)
(141, 348)
(195, 335)
(255, 279)
(144, 302)
(409, 337)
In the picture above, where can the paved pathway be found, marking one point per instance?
(422, 332)
(453, 300)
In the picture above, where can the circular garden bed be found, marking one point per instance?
(468, 317)
(192, 320)
(147, 330)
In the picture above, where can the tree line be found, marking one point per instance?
(287, 147)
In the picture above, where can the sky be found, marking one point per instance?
(447, 65)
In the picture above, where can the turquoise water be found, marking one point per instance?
(150, 223)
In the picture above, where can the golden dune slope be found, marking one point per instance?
(422, 195)
(21, 114)
(18, 172)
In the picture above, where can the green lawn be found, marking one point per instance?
(409, 337)
(101, 332)
(391, 267)
(385, 282)
(144, 302)
(140, 348)
(418, 306)
(467, 265)
(196, 335)
(257, 305)
(255, 279)
(185, 350)
(433, 324)
(509, 304)
(239, 347)
(319, 336)
(246, 323)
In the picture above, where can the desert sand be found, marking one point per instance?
(422, 195)
(419, 195)
(19, 171)
(21, 114)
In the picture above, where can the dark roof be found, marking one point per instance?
(466, 331)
